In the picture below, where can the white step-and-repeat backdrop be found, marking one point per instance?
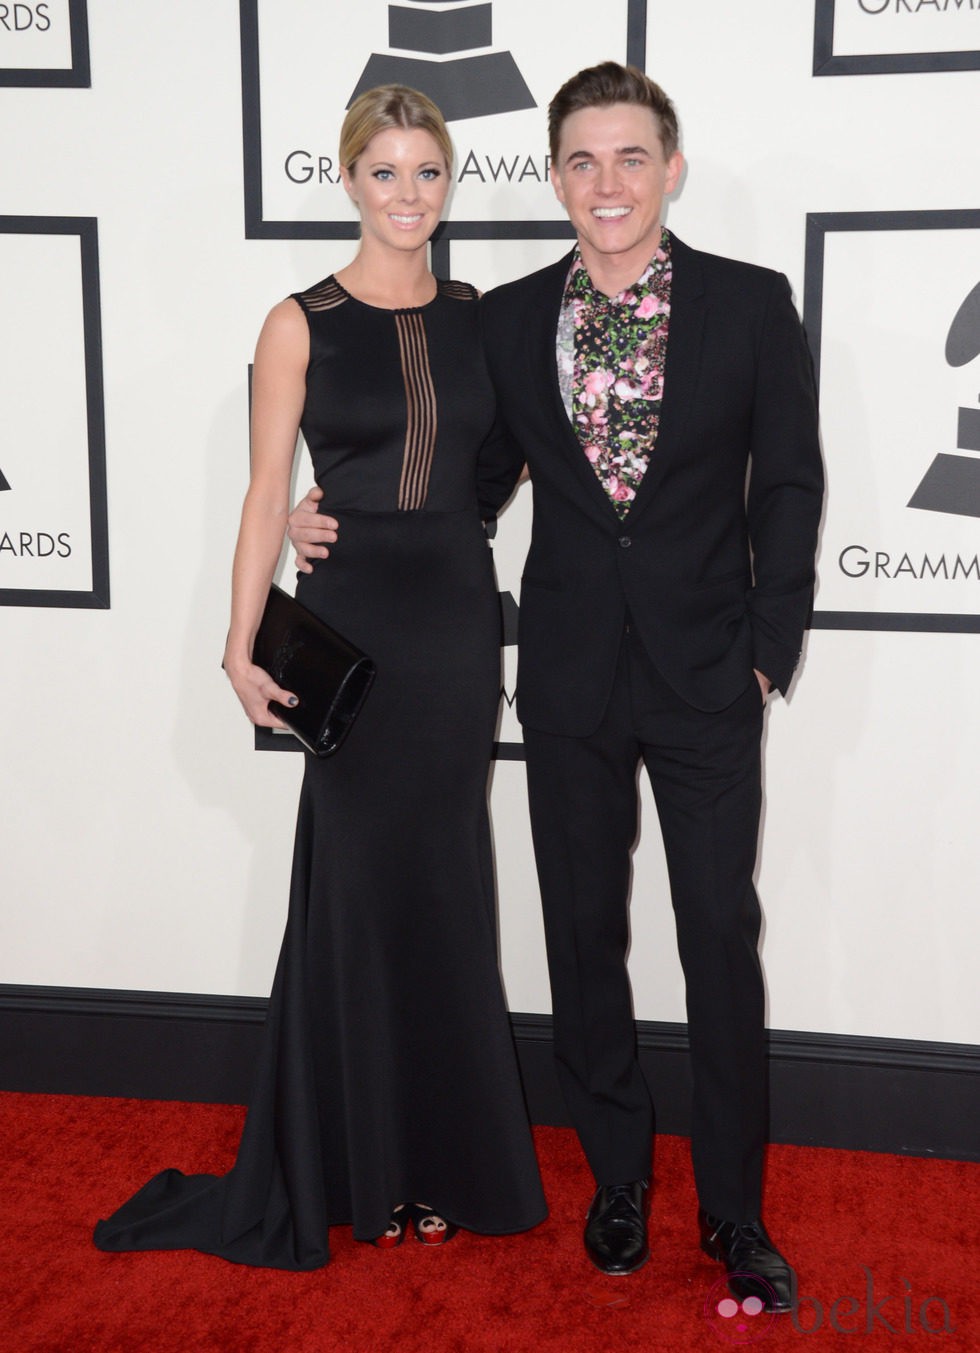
(169, 172)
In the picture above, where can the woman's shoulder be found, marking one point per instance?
(324, 295)
(285, 333)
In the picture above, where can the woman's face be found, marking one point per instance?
(399, 184)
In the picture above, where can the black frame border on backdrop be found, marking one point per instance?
(827, 62)
(76, 76)
(818, 225)
(86, 228)
(256, 228)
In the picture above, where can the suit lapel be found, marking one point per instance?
(684, 343)
(542, 358)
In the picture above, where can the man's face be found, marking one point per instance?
(612, 177)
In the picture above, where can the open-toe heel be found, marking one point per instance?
(395, 1233)
(430, 1228)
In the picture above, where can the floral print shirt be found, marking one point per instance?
(611, 353)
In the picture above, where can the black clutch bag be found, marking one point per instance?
(329, 676)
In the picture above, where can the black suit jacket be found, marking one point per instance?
(714, 561)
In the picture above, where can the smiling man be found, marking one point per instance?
(664, 402)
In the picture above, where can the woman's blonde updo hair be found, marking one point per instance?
(390, 106)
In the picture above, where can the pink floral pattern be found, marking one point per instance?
(611, 354)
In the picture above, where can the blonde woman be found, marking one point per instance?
(387, 1095)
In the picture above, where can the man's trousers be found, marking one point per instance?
(706, 777)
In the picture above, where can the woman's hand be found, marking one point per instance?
(255, 688)
(310, 531)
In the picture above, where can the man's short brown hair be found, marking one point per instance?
(608, 83)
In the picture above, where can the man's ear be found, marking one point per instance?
(675, 167)
(556, 183)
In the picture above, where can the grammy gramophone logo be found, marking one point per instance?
(444, 49)
(952, 482)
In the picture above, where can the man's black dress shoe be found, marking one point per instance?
(755, 1267)
(616, 1228)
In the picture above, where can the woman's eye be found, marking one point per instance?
(383, 174)
(430, 174)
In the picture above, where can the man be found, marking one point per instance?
(664, 402)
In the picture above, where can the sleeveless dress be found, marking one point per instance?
(387, 1072)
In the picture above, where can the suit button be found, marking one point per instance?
(626, 541)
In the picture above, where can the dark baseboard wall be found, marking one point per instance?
(873, 1094)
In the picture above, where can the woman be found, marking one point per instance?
(387, 1092)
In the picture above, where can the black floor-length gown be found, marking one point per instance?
(387, 1072)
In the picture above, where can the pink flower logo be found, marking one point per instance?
(737, 1322)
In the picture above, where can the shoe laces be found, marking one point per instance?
(620, 1203)
(744, 1235)
(749, 1242)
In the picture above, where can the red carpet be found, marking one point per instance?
(907, 1228)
